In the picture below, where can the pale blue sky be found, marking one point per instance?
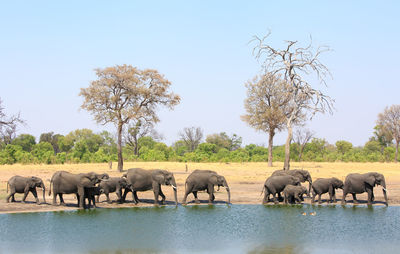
(48, 51)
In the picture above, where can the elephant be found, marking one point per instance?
(303, 175)
(89, 194)
(144, 180)
(20, 184)
(200, 180)
(294, 193)
(324, 185)
(360, 183)
(276, 184)
(114, 184)
(64, 182)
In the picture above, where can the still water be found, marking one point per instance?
(205, 229)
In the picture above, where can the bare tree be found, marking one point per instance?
(138, 129)
(267, 98)
(122, 93)
(295, 63)
(389, 119)
(191, 137)
(302, 137)
(8, 125)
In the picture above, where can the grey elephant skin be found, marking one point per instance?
(20, 184)
(144, 180)
(113, 184)
(303, 175)
(326, 185)
(276, 184)
(200, 180)
(89, 194)
(64, 182)
(294, 193)
(360, 183)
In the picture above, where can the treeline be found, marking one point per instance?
(85, 146)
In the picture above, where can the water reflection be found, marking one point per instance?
(205, 229)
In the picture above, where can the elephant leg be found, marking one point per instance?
(313, 197)
(297, 198)
(162, 196)
(156, 191)
(124, 196)
(280, 198)
(344, 196)
(61, 199)
(210, 195)
(355, 201)
(196, 200)
(35, 195)
(11, 195)
(187, 191)
(266, 198)
(333, 196)
(286, 198)
(136, 197)
(319, 199)
(98, 198)
(274, 198)
(26, 192)
(108, 197)
(54, 198)
(370, 194)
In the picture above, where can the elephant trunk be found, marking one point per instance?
(309, 186)
(44, 193)
(228, 191)
(175, 191)
(383, 183)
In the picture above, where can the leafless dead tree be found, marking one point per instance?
(191, 137)
(302, 137)
(296, 63)
(8, 126)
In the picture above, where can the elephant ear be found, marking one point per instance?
(159, 178)
(86, 181)
(370, 180)
(32, 182)
(214, 179)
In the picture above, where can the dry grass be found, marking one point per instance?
(245, 179)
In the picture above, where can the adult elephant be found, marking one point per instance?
(114, 184)
(20, 184)
(200, 180)
(360, 183)
(302, 175)
(64, 182)
(144, 180)
(276, 184)
(324, 185)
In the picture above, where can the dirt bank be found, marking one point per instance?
(245, 180)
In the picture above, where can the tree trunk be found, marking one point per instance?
(301, 151)
(270, 144)
(397, 151)
(286, 165)
(119, 147)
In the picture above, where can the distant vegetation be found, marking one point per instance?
(83, 145)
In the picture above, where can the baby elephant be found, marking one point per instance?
(90, 193)
(324, 185)
(113, 184)
(294, 193)
(20, 184)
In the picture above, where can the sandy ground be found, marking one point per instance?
(245, 181)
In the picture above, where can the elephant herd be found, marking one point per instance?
(87, 186)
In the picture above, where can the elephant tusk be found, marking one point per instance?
(384, 188)
(173, 187)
